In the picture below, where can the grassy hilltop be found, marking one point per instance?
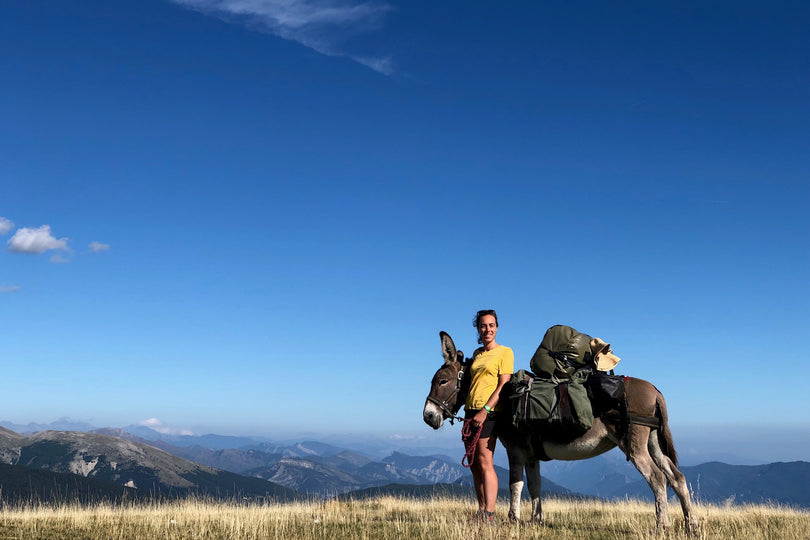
(384, 517)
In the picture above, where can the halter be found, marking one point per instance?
(446, 411)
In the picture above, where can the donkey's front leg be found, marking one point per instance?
(533, 483)
(517, 460)
(515, 490)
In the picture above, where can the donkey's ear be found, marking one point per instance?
(448, 348)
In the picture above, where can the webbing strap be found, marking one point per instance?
(470, 436)
(641, 420)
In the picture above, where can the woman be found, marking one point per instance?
(491, 368)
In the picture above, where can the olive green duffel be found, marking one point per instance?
(562, 351)
(560, 409)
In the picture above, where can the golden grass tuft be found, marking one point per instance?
(387, 517)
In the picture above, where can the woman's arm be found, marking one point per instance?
(481, 416)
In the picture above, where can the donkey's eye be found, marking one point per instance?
(442, 382)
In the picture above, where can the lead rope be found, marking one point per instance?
(470, 436)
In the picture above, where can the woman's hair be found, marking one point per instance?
(477, 319)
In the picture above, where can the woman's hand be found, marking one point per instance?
(479, 418)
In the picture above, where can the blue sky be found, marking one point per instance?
(255, 217)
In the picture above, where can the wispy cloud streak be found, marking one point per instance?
(97, 247)
(322, 25)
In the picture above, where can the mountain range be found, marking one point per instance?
(116, 463)
(776, 483)
(126, 463)
(24, 485)
(324, 470)
(611, 476)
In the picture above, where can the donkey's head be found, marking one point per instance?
(449, 386)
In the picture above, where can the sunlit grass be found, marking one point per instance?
(386, 517)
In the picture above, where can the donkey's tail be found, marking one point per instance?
(664, 434)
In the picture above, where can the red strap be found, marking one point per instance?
(470, 436)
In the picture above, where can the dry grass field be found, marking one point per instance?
(387, 517)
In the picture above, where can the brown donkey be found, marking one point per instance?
(649, 448)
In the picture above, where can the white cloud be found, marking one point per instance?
(322, 25)
(400, 437)
(35, 240)
(152, 423)
(160, 427)
(5, 225)
(95, 247)
(9, 288)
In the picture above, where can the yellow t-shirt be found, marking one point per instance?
(485, 368)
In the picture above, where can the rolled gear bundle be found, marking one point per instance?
(562, 351)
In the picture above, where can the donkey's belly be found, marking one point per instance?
(593, 442)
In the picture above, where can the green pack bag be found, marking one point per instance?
(550, 407)
(532, 400)
(573, 413)
(562, 351)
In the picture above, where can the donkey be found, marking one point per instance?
(648, 445)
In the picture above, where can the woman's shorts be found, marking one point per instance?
(490, 426)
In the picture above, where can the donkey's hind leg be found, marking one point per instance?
(677, 481)
(641, 458)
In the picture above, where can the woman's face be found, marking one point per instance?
(487, 328)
